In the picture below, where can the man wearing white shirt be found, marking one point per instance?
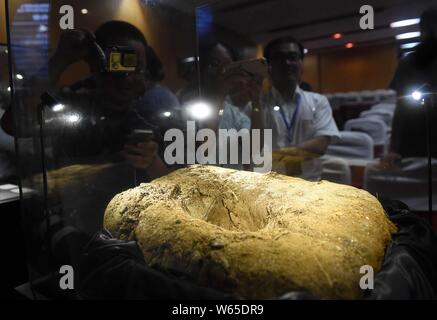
(297, 118)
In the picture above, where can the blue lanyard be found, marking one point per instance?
(290, 126)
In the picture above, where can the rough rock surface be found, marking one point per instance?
(257, 235)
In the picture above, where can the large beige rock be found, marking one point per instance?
(257, 235)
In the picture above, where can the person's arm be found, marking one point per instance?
(318, 145)
(400, 76)
(71, 48)
(144, 156)
(57, 66)
(74, 45)
(325, 128)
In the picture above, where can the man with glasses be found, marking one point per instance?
(297, 118)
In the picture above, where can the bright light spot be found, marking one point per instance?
(189, 59)
(349, 45)
(406, 53)
(167, 114)
(42, 28)
(58, 107)
(19, 76)
(416, 95)
(200, 110)
(6, 51)
(84, 11)
(337, 36)
(409, 45)
(9, 89)
(404, 23)
(220, 112)
(72, 118)
(305, 51)
(276, 108)
(408, 35)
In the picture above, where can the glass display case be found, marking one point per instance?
(146, 133)
(70, 152)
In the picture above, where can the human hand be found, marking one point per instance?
(255, 88)
(389, 161)
(243, 87)
(141, 155)
(74, 45)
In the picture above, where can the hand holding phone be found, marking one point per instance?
(140, 150)
(140, 136)
(142, 155)
(251, 67)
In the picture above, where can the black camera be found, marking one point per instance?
(114, 59)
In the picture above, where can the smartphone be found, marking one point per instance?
(140, 136)
(254, 67)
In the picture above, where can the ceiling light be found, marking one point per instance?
(404, 23)
(305, 51)
(409, 45)
(43, 28)
(337, 36)
(349, 45)
(408, 35)
(84, 11)
(189, 59)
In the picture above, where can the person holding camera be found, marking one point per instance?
(231, 92)
(105, 100)
(96, 143)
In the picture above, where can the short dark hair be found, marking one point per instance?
(282, 40)
(114, 32)
(428, 19)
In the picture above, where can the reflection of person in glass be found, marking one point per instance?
(94, 154)
(99, 139)
(416, 69)
(229, 90)
(105, 98)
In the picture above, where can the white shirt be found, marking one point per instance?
(233, 117)
(312, 118)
